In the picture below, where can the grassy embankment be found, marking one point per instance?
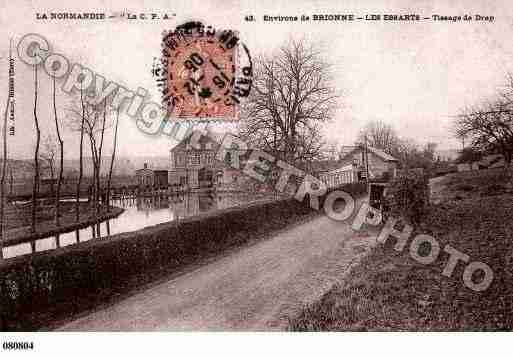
(99, 272)
(22, 188)
(18, 218)
(390, 291)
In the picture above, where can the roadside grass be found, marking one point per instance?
(390, 291)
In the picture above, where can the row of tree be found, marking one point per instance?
(83, 117)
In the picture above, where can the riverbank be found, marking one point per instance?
(390, 291)
(83, 276)
(18, 231)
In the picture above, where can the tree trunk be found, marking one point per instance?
(61, 162)
(11, 181)
(94, 194)
(99, 164)
(81, 155)
(112, 159)
(36, 157)
(52, 175)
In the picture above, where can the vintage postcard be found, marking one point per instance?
(255, 166)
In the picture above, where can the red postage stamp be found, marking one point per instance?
(202, 73)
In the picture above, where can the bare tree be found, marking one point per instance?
(61, 158)
(98, 163)
(292, 94)
(36, 156)
(380, 135)
(11, 180)
(309, 144)
(113, 157)
(81, 156)
(93, 123)
(489, 128)
(47, 156)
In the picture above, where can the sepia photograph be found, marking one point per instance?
(290, 176)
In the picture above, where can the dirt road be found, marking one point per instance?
(254, 288)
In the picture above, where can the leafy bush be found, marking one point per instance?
(408, 197)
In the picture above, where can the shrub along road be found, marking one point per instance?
(257, 287)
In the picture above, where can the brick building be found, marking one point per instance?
(193, 166)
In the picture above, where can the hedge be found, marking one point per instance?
(408, 197)
(37, 289)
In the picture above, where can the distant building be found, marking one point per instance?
(193, 166)
(160, 178)
(197, 167)
(381, 164)
(147, 177)
(144, 176)
(352, 166)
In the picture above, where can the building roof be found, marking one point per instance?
(380, 153)
(212, 137)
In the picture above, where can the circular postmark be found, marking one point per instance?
(204, 73)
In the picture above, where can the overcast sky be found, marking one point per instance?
(414, 76)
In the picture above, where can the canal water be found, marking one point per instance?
(142, 212)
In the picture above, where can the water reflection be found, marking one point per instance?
(139, 212)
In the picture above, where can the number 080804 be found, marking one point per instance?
(17, 345)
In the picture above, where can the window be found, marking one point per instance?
(180, 159)
(194, 158)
